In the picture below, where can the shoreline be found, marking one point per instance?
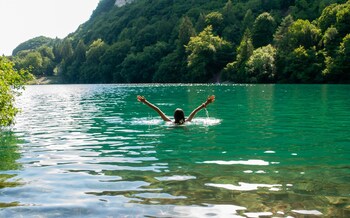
(45, 80)
(56, 80)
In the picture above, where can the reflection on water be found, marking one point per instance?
(9, 154)
(94, 151)
(8, 151)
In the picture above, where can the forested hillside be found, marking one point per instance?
(241, 41)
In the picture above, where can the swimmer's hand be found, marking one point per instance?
(210, 99)
(141, 98)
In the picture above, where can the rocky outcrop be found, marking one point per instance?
(120, 3)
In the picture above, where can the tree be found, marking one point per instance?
(141, 66)
(328, 17)
(32, 44)
(302, 33)
(11, 82)
(71, 74)
(48, 58)
(112, 59)
(32, 60)
(263, 29)
(206, 55)
(337, 15)
(228, 13)
(145, 23)
(200, 24)
(261, 66)
(145, 37)
(215, 19)
(186, 31)
(338, 68)
(303, 66)
(330, 40)
(245, 48)
(343, 19)
(235, 71)
(172, 69)
(80, 52)
(248, 20)
(90, 70)
(279, 38)
(66, 49)
(302, 9)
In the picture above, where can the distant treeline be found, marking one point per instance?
(240, 41)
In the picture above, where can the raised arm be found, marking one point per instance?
(161, 114)
(210, 99)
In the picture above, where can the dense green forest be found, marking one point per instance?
(240, 41)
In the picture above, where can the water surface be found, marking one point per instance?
(94, 151)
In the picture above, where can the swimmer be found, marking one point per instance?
(179, 114)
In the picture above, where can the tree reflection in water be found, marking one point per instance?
(8, 162)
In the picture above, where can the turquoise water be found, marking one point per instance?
(260, 150)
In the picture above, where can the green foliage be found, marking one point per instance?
(215, 19)
(228, 13)
(172, 69)
(301, 9)
(103, 7)
(337, 15)
(343, 19)
(303, 66)
(144, 41)
(37, 55)
(303, 33)
(186, 31)
(331, 40)
(39, 61)
(245, 48)
(328, 17)
(205, 58)
(338, 68)
(235, 71)
(200, 24)
(263, 30)
(112, 60)
(141, 66)
(280, 37)
(31, 60)
(261, 66)
(11, 83)
(308, 9)
(89, 72)
(32, 44)
(66, 49)
(248, 20)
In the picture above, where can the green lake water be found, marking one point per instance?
(260, 150)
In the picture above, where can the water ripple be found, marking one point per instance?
(93, 150)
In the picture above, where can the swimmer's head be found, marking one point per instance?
(179, 116)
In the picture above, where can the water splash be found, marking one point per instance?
(206, 112)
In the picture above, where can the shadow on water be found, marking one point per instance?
(9, 155)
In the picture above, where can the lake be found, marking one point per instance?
(258, 150)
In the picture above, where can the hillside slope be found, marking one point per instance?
(291, 41)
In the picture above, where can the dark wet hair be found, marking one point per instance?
(179, 116)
